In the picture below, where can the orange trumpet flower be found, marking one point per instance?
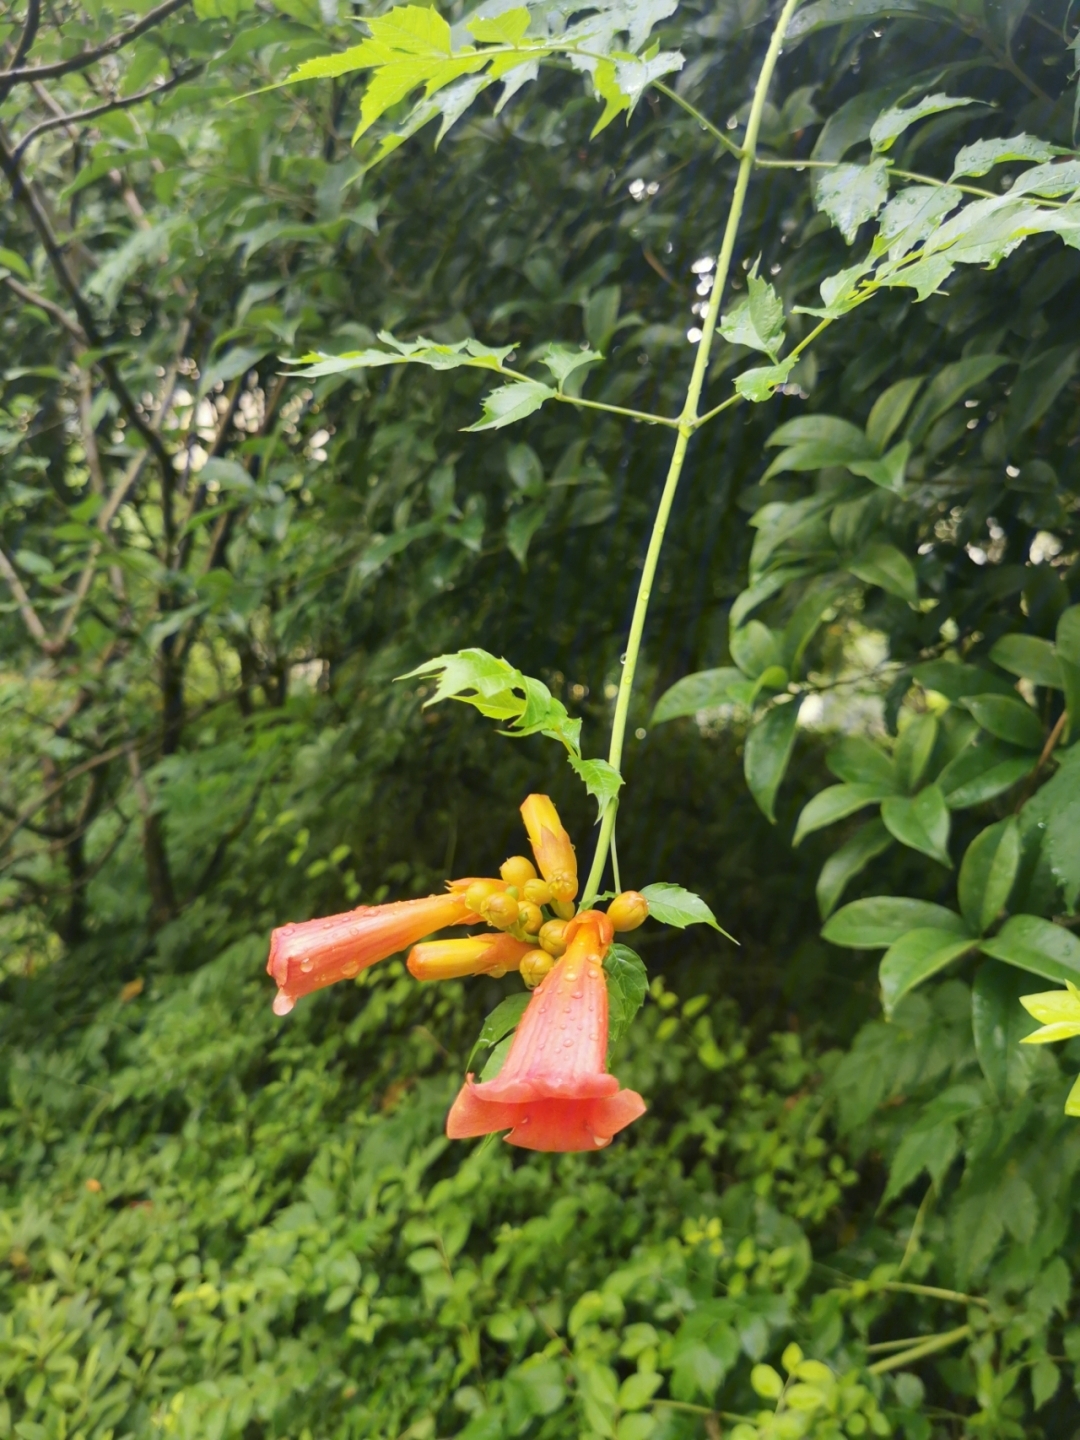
(553, 1092)
(551, 845)
(314, 953)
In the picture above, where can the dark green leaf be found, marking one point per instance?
(922, 822)
(1029, 656)
(628, 984)
(877, 923)
(987, 873)
(701, 691)
(836, 803)
(913, 750)
(1008, 718)
(502, 1021)
(999, 1023)
(886, 566)
(1038, 946)
(914, 958)
(768, 750)
(849, 861)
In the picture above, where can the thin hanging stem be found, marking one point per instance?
(687, 424)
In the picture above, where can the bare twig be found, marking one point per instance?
(31, 619)
(78, 117)
(26, 40)
(58, 313)
(85, 58)
(105, 362)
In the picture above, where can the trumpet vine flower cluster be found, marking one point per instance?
(553, 1091)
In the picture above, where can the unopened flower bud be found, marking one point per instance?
(551, 937)
(628, 910)
(565, 909)
(537, 892)
(534, 966)
(500, 910)
(530, 917)
(564, 885)
(481, 890)
(518, 870)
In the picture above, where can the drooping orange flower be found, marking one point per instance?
(553, 1092)
(314, 953)
(551, 845)
(490, 954)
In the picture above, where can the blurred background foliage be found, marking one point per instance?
(215, 1223)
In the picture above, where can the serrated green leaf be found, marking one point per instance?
(758, 319)
(506, 28)
(983, 155)
(852, 194)
(627, 986)
(601, 780)
(563, 360)
(510, 403)
(758, 385)
(502, 1021)
(672, 905)
(891, 124)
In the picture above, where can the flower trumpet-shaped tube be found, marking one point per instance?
(314, 953)
(551, 845)
(553, 1092)
(477, 955)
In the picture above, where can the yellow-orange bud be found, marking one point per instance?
(552, 937)
(628, 910)
(551, 846)
(476, 955)
(565, 909)
(481, 890)
(534, 966)
(530, 917)
(537, 892)
(518, 870)
(500, 910)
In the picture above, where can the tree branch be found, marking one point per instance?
(26, 608)
(29, 73)
(26, 40)
(80, 116)
(58, 313)
(23, 194)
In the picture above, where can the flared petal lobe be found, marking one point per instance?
(314, 953)
(553, 1092)
(551, 845)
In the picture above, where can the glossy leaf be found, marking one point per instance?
(835, 803)
(877, 923)
(988, 872)
(1007, 718)
(999, 1026)
(915, 957)
(675, 906)
(849, 861)
(1029, 656)
(921, 822)
(702, 691)
(1038, 946)
(627, 986)
(768, 750)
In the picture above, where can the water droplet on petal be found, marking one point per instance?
(283, 1003)
(350, 969)
(306, 964)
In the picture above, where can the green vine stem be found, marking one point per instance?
(687, 424)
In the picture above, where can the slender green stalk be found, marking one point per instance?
(687, 423)
(645, 416)
(919, 1352)
(934, 1292)
(702, 120)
